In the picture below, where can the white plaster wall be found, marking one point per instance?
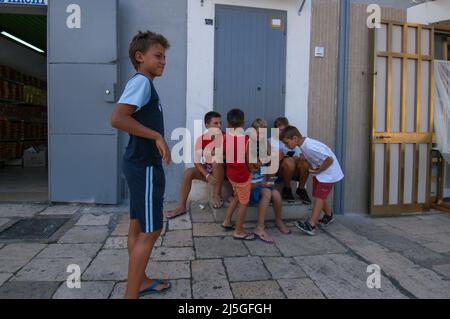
(430, 12)
(200, 57)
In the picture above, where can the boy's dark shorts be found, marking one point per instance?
(146, 185)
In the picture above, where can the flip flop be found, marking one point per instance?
(227, 228)
(246, 237)
(270, 242)
(284, 233)
(177, 215)
(152, 289)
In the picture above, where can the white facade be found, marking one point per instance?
(430, 12)
(200, 57)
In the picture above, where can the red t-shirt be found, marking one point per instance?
(237, 169)
(202, 142)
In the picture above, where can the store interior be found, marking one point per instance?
(23, 108)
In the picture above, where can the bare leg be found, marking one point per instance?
(317, 209)
(133, 235)
(277, 208)
(138, 261)
(326, 208)
(287, 170)
(189, 175)
(219, 174)
(240, 231)
(302, 168)
(230, 212)
(266, 196)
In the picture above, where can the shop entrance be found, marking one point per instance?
(23, 104)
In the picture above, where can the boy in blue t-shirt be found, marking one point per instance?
(140, 114)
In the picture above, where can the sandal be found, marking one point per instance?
(247, 237)
(152, 289)
(227, 228)
(262, 238)
(284, 233)
(175, 216)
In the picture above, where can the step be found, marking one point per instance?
(291, 211)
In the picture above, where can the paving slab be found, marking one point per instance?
(121, 229)
(283, 268)
(178, 238)
(15, 256)
(60, 210)
(4, 277)
(300, 289)
(99, 209)
(208, 269)
(110, 264)
(88, 290)
(94, 220)
(257, 290)
(70, 251)
(419, 282)
(20, 210)
(209, 280)
(4, 221)
(116, 243)
(258, 248)
(169, 270)
(209, 230)
(85, 234)
(49, 269)
(444, 270)
(28, 290)
(202, 216)
(246, 269)
(416, 226)
(299, 244)
(344, 277)
(172, 253)
(219, 247)
(181, 222)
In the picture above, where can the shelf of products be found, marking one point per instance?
(23, 113)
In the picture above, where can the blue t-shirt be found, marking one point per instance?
(141, 93)
(138, 91)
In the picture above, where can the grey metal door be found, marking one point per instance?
(82, 73)
(250, 61)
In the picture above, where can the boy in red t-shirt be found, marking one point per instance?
(238, 173)
(209, 171)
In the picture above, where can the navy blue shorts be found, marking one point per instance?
(146, 185)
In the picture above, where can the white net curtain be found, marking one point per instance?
(442, 107)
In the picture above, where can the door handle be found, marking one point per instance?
(383, 137)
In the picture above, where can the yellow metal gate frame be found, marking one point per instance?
(402, 137)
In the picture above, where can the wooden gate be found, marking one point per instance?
(402, 118)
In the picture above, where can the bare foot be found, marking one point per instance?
(176, 212)
(217, 202)
(264, 236)
(282, 227)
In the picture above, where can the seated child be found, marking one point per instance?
(292, 165)
(263, 193)
(326, 171)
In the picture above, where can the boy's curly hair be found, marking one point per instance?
(142, 41)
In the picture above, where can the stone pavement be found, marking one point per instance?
(203, 261)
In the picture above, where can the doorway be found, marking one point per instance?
(23, 105)
(250, 61)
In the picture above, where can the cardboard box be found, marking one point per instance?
(35, 157)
